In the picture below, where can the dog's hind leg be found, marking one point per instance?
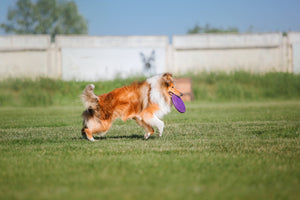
(96, 127)
(89, 134)
(83, 133)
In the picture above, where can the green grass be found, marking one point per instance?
(48, 92)
(244, 86)
(245, 150)
(207, 87)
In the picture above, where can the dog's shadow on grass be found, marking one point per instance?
(137, 137)
(133, 137)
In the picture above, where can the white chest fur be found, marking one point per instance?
(157, 97)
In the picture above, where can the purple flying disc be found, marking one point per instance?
(178, 103)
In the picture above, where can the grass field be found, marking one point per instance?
(246, 150)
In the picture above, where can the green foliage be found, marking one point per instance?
(243, 86)
(46, 91)
(36, 98)
(213, 151)
(45, 17)
(207, 87)
(209, 29)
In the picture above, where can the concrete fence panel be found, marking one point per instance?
(25, 56)
(105, 58)
(294, 41)
(92, 58)
(229, 52)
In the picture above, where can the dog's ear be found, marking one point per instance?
(167, 78)
(167, 75)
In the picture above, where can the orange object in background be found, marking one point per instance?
(184, 85)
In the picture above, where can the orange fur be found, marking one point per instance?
(145, 102)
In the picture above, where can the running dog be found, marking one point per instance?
(146, 102)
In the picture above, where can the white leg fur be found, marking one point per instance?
(154, 121)
(147, 135)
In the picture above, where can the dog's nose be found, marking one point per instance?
(181, 94)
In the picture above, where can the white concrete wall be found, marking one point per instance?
(94, 58)
(27, 56)
(229, 52)
(294, 41)
(23, 64)
(105, 58)
(24, 42)
(227, 41)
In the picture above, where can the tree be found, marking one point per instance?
(45, 17)
(208, 29)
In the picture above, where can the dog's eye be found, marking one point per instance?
(172, 86)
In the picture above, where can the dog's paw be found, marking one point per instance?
(147, 135)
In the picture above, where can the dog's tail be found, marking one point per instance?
(89, 99)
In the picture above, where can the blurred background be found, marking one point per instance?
(125, 38)
(106, 40)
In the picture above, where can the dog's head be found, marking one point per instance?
(170, 85)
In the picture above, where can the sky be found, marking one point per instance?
(176, 17)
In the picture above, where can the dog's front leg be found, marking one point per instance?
(155, 121)
(147, 127)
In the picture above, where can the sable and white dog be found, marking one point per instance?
(146, 102)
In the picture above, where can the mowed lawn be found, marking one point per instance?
(213, 151)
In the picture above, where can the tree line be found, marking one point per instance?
(45, 17)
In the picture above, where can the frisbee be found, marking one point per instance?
(178, 103)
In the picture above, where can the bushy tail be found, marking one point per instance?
(88, 97)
